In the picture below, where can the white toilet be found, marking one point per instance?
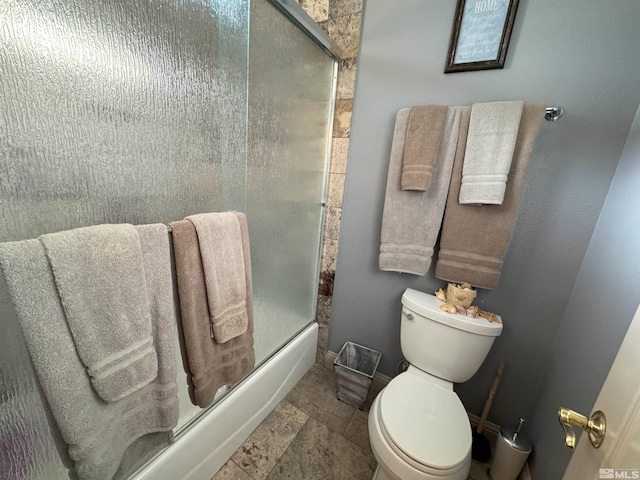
(418, 427)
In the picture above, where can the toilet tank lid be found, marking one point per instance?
(429, 306)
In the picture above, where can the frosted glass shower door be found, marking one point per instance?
(291, 83)
(146, 111)
(119, 111)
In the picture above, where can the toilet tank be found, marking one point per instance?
(446, 345)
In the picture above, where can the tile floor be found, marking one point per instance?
(311, 435)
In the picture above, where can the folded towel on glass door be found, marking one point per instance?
(220, 243)
(209, 364)
(493, 129)
(100, 435)
(100, 277)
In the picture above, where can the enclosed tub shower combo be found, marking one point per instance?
(125, 121)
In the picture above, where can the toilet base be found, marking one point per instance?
(391, 466)
(379, 474)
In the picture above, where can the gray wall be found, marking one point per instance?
(581, 55)
(598, 314)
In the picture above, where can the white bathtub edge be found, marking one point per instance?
(206, 446)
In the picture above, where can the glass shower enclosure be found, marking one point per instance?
(146, 111)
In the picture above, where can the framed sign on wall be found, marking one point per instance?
(480, 34)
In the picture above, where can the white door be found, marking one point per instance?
(619, 399)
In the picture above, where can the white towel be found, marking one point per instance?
(411, 219)
(493, 129)
(220, 243)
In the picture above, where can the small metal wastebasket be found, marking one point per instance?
(355, 367)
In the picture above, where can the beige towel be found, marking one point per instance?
(209, 364)
(100, 278)
(224, 272)
(491, 141)
(411, 220)
(99, 434)
(475, 239)
(421, 146)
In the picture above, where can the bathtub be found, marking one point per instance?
(202, 448)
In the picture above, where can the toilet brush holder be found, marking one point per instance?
(510, 454)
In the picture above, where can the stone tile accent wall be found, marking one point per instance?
(341, 20)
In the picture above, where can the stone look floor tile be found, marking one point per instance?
(358, 432)
(317, 453)
(268, 442)
(315, 395)
(312, 436)
(479, 471)
(231, 471)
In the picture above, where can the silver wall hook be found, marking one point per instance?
(553, 113)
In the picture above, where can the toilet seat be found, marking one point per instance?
(425, 424)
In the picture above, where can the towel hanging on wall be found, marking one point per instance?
(475, 239)
(425, 128)
(491, 141)
(411, 220)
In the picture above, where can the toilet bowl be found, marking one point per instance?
(419, 430)
(418, 426)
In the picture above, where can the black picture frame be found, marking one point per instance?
(480, 35)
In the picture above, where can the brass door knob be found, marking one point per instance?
(595, 426)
